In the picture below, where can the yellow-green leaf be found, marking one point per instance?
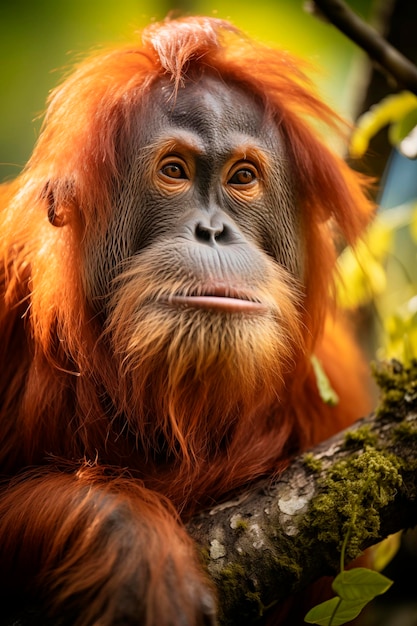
(385, 551)
(402, 127)
(360, 584)
(390, 110)
(334, 612)
(326, 391)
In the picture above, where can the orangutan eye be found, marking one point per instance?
(174, 170)
(242, 177)
(243, 174)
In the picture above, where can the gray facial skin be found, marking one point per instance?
(206, 179)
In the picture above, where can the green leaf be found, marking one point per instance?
(390, 110)
(322, 613)
(384, 552)
(326, 391)
(340, 610)
(360, 584)
(400, 129)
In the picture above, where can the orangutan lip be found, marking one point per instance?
(221, 300)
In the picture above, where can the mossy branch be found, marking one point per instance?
(282, 535)
(378, 49)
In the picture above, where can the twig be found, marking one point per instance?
(378, 49)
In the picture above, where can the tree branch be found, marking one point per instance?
(396, 64)
(284, 534)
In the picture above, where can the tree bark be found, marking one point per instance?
(283, 534)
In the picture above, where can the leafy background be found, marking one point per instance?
(41, 39)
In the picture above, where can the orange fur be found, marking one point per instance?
(191, 418)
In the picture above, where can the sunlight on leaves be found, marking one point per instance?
(401, 333)
(398, 109)
(361, 272)
(402, 127)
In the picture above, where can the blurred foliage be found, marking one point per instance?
(375, 273)
(40, 40)
(398, 110)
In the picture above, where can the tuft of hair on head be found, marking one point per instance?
(178, 42)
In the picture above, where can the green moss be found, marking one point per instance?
(241, 525)
(392, 403)
(398, 385)
(231, 578)
(255, 598)
(204, 556)
(312, 463)
(351, 498)
(362, 437)
(231, 573)
(405, 432)
(258, 598)
(289, 564)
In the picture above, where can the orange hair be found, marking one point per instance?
(116, 428)
(57, 369)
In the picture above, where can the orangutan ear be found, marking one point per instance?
(56, 214)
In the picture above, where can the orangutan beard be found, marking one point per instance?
(188, 374)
